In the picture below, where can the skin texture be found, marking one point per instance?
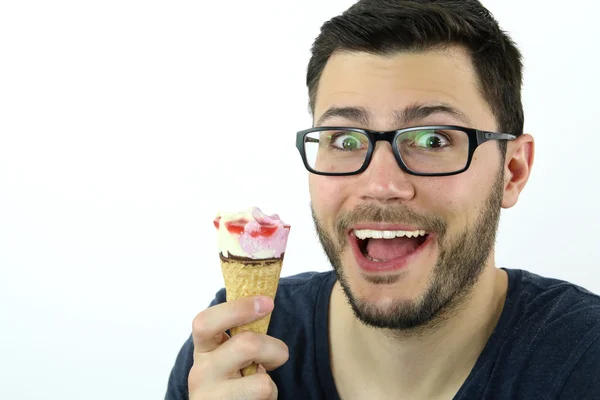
(424, 326)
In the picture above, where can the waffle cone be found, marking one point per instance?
(251, 278)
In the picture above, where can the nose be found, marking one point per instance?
(383, 180)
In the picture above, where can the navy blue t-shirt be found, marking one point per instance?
(546, 344)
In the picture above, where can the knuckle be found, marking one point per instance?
(202, 366)
(195, 377)
(200, 327)
(285, 350)
(248, 343)
(263, 387)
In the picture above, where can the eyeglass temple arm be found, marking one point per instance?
(484, 136)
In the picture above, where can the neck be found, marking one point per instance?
(435, 360)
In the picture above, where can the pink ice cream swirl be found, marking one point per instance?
(262, 237)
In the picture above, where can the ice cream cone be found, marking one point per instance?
(251, 248)
(251, 278)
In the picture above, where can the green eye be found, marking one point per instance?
(346, 141)
(430, 139)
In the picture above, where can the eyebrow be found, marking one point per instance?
(410, 114)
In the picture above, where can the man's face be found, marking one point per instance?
(421, 279)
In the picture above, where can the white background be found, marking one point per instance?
(126, 125)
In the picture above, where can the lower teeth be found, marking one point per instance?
(373, 259)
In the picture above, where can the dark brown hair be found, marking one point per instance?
(389, 26)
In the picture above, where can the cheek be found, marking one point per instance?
(455, 198)
(459, 199)
(326, 194)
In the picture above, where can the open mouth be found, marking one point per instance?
(387, 249)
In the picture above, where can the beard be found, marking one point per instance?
(460, 263)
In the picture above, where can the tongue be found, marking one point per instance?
(388, 249)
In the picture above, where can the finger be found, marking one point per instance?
(219, 339)
(210, 323)
(253, 387)
(246, 348)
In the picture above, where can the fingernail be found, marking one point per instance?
(260, 305)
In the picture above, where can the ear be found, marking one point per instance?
(517, 168)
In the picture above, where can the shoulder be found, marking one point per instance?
(551, 327)
(583, 382)
(553, 300)
(545, 343)
(533, 282)
(552, 307)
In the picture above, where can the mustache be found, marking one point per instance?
(396, 214)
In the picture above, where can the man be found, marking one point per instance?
(417, 144)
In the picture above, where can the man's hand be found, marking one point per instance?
(218, 358)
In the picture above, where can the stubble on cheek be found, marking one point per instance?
(327, 196)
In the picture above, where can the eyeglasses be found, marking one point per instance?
(437, 150)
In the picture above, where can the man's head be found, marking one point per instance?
(385, 65)
(387, 27)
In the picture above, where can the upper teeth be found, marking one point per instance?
(372, 234)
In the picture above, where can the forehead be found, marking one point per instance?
(387, 84)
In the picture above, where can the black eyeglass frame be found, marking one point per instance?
(476, 139)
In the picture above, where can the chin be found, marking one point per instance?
(402, 299)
